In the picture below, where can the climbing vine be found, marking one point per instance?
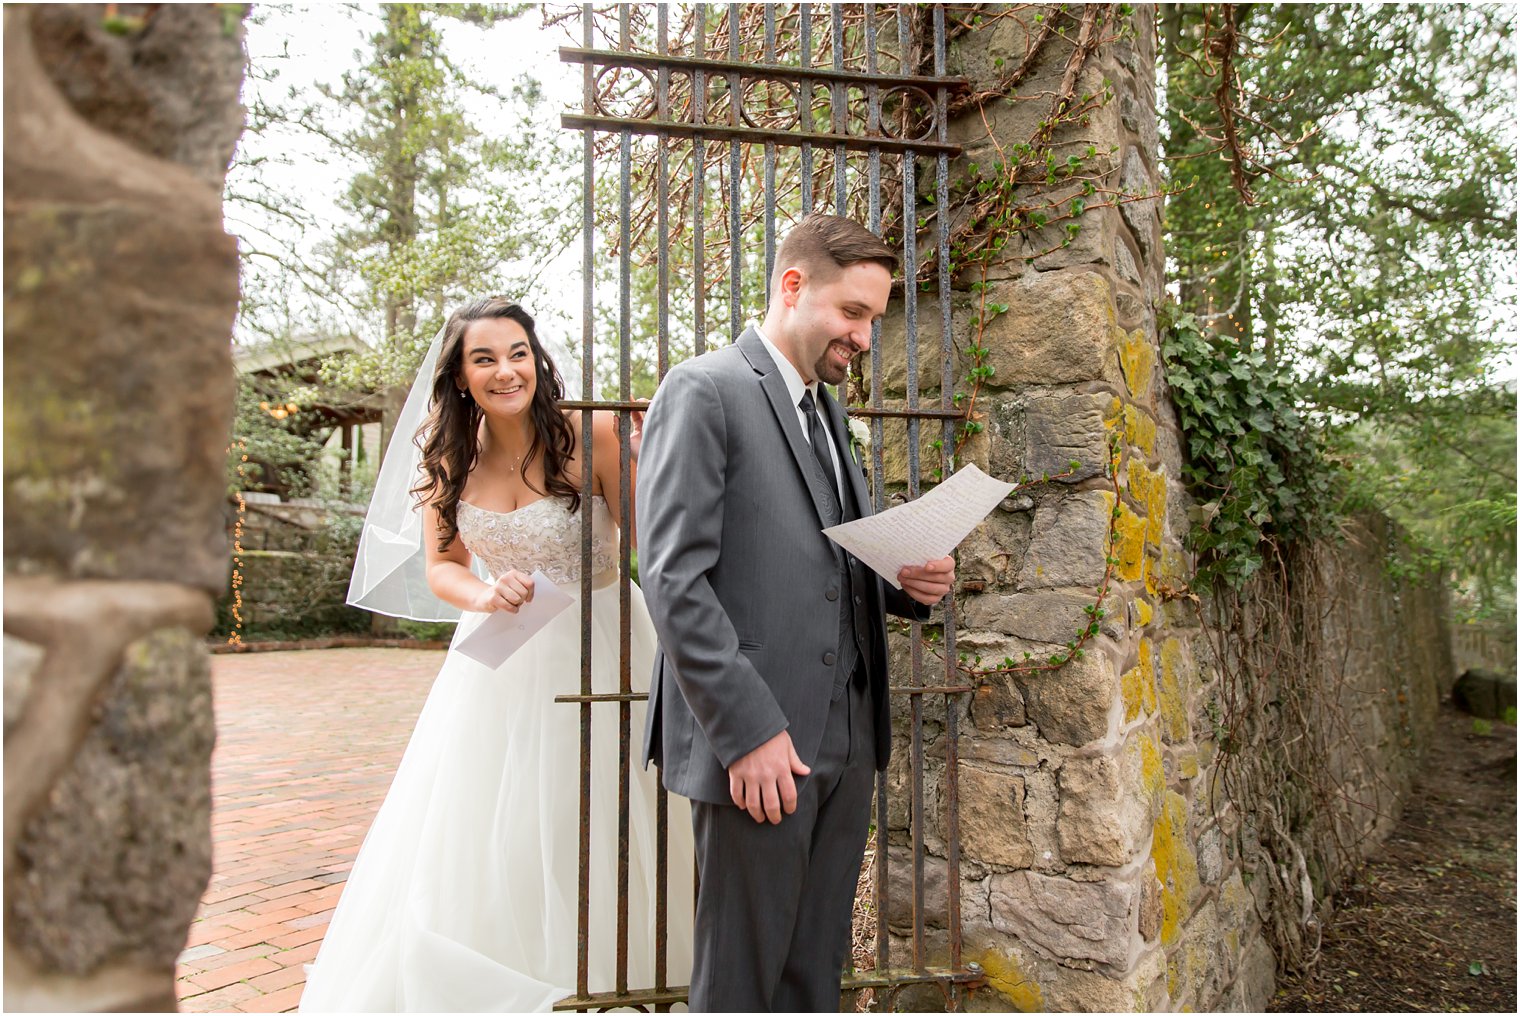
(1255, 463)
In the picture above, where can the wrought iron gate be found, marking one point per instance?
(804, 85)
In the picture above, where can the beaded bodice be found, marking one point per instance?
(540, 535)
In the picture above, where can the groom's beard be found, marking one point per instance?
(828, 371)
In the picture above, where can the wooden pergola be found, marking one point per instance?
(297, 361)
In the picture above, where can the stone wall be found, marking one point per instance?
(1098, 848)
(296, 560)
(120, 291)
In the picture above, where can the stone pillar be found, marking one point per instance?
(1086, 884)
(120, 291)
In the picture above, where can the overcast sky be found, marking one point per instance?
(310, 44)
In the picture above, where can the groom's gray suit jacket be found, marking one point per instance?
(740, 581)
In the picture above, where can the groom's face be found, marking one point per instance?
(832, 315)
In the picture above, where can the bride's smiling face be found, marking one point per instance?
(496, 366)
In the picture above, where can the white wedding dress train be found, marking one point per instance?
(463, 897)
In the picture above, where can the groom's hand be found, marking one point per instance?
(761, 782)
(928, 583)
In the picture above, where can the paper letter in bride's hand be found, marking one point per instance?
(925, 529)
(502, 633)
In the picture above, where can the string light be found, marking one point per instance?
(235, 637)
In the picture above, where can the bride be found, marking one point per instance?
(463, 896)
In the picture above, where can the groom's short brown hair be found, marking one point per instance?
(823, 245)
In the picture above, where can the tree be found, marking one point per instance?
(442, 204)
(1350, 213)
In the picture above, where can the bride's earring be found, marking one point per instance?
(463, 394)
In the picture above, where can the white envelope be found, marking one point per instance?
(501, 634)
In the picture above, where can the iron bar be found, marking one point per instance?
(916, 653)
(662, 800)
(890, 978)
(637, 405)
(871, 412)
(927, 689)
(662, 199)
(605, 696)
(625, 325)
(947, 464)
(734, 135)
(605, 1000)
(588, 372)
(839, 96)
(698, 195)
(769, 53)
(735, 164)
(779, 72)
(878, 477)
(805, 100)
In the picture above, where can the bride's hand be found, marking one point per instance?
(636, 433)
(508, 593)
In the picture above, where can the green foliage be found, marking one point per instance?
(278, 452)
(1255, 463)
(297, 591)
(1369, 264)
(427, 631)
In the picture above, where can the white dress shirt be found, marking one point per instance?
(795, 387)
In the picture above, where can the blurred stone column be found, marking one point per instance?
(121, 286)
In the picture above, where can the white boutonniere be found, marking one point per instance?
(860, 439)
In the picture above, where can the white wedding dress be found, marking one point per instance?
(463, 897)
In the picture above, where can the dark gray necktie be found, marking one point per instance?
(817, 435)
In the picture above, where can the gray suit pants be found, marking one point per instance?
(773, 912)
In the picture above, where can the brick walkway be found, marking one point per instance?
(307, 743)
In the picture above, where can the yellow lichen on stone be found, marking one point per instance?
(1173, 566)
(1138, 698)
(1187, 765)
(1144, 612)
(1139, 429)
(1147, 488)
(1152, 772)
(1129, 688)
(1131, 548)
(1115, 413)
(1137, 357)
(1006, 975)
(1176, 866)
(1173, 688)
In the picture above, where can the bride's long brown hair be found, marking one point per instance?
(450, 436)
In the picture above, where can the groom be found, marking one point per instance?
(768, 704)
